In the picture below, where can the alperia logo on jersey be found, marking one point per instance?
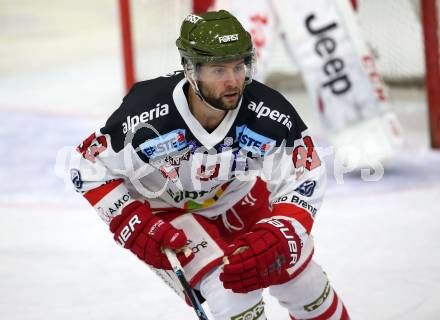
(165, 144)
(254, 142)
(262, 111)
(133, 122)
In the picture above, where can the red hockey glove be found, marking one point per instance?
(137, 229)
(260, 257)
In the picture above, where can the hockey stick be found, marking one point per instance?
(178, 270)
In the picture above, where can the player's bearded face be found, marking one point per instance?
(222, 83)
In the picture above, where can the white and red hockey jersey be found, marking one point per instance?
(153, 149)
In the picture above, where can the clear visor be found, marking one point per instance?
(239, 71)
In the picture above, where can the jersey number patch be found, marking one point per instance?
(92, 147)
(306, 156)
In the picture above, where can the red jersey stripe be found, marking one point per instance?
(297, 213)
(95, 195)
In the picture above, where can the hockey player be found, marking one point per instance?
(209, 160)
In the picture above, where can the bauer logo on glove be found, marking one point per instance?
(260, 258)
(145, 234)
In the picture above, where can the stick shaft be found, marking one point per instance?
(178, 270)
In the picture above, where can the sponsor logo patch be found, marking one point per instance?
(253, 313)
(318, 302)
(112, 210)
(197, 247)
(196, 199)
(193, 18)
(299, 202)
(306, 188)
(254, 142)
(75, 176)
(326, 47)
(262, 111)
(175, 160)
(228, 38)
(173, 141)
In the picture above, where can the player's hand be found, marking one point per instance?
(260, 257)
(139, 230)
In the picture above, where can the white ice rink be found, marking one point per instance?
(378, 241)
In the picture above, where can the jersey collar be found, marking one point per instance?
(209, 140)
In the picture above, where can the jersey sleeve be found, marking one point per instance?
(296, 179)
(94, 174)
(103, 164)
